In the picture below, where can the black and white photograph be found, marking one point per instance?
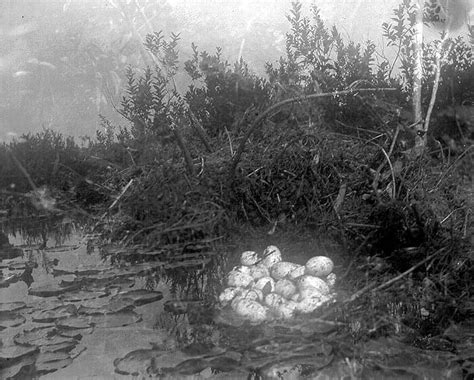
(236, 189)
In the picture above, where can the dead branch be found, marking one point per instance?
(201, 133)
(182, 145)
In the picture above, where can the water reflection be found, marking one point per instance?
(57, 298)
(72, 309)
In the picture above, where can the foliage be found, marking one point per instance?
(40, 167)
(220, 96)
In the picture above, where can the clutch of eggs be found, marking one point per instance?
(266, 287)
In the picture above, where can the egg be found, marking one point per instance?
(331, 280)
(239, 278)
(251, 310)
(286, 309)
(249, 258)
(282, 269)
(235, 301)
(258, 271)
(271, 256)
(265, 284)
(228, 294)
(319, 266)
(273, 300)
(309, 292)
(285, 288)
(309, 305)
(308, 281)
(297, 272)
(252, 294)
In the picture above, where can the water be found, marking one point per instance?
(42, 271)
(68, 313)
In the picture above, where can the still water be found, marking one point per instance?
(67, 312)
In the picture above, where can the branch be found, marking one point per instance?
(199, 129)
(435, 84)
(182, 145)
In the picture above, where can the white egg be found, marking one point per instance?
(308, 281)
(297, 272)
(273, 300)
(309, 305)
(239, 279)
(331, 280)
(249, 258)
(235, 301)
(309, 292)
(265, 284)
(258, 271)
(282, 269)
(251, 310)
(286, 309)
(242, 268)
(285, 288)
(271, 256)
(252, 294)
(228, 294)
(319, 266)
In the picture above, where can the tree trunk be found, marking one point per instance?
(420, 138)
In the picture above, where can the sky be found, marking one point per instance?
(238, 20)
(40, 87)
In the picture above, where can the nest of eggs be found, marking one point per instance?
(266, 287)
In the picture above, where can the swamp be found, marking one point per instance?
(148, 186)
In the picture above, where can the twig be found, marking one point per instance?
(394, 279)
(340, 198)
(450, 167)
(197, 126)
(385, 284)
(230, 142)
(121, 193)
(182, 145)
(434, 91)
(379, 169)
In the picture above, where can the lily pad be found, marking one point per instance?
(63, 248)
(48, 316)
(191, 366)
(50, 290)
(65, 346)
(136, 362)
(52, 361)
(18, 369)
(114, 306)
(123, 318)
(82, 296)
(13, 353)
(224, 364)
(44, 304)
(33, 337)
(79, 322)
(17, 266)
(295, 367)
(11, 306)
(10, 279)
(140, 296)
(77, 350)
(10, 319)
